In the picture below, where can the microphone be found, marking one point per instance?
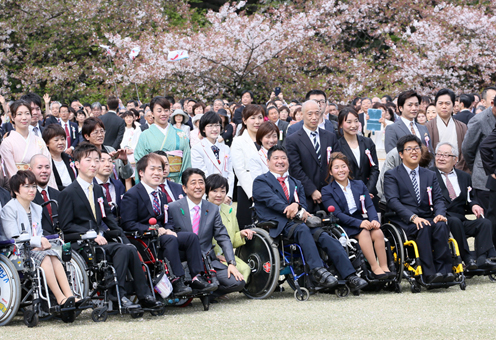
(331, 209)
(152, 221)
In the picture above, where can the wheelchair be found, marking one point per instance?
(159, 271)
(271, 258)
(406, 256)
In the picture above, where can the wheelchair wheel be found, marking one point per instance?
(396, 241)
(78, 277)
(31, 319)
(262, 255)
(304, 296)
(10, 291)
(492, 278)
(158, 312)
(99, 314)
(342, 291)
(137, 315)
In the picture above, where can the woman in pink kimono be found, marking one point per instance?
(17, 149)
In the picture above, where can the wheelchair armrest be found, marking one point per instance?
(267, 225)
(52, 237)
(72, 237)
(112, 234)
(6, 243)
(389, 214)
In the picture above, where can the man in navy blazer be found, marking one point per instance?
(112, 188)
(172, 191)
(308, 153)
(145, 201)
(408, 105)
(70, 128)
(413, 193)
(279, 197)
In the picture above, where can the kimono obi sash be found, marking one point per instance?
(175, 160)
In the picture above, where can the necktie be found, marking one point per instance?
(415, 185)
(107, 191)
(162, 188)
(156, 203)
(215, 149)
(92, 200)
(412, 129)
(48, 206)
(35, 130)
(316, 144)
(284, 187)
(68, 136)
(196, 220)
(449, 185)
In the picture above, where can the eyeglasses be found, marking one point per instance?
(213, 126)
(416, 149)
(444, 155)
(98, 132)
(320, 102)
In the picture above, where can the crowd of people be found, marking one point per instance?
(430, 161)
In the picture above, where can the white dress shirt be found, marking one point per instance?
(409, 126)
(417, 177)
(356, 153)
(350, 200)
(454, 181)
(286, 181)
(85, 185)
(64, 175)
(40, 189)
(309, 133)
(149, 191)
(111, 188)
(191, 207)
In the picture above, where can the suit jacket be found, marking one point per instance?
(329, 126)
(461, 130)
(479, 127)
(401, 198)
(243, 148)
(227, 134)
(399, 129)
(6, 127)
(460, 205)
(137, 209)
(4, 196)
(361, 119)
(67, 161)
(210, 226)
(303, 161)
(333, 195)
(46, 221)
(270, 200)
(120, 190)
(74, 132)
(488, 156)
(177, 190)
(367, 173)
(50, 120)
(283, 126)
(143, 125)
(76, 216)
(114, 129)
(464, 116)
(238, 115)
(13, 216)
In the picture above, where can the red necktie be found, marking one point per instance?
(162, 188)
(284, 187)
(68, 136)
(107, 191)
(48, 206)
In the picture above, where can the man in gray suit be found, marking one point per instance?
(479, 127)
(408, 104)
(194, 214)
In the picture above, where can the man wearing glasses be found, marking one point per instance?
(413, 193)
(456, 189)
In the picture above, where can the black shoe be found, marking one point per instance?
(379, 276)
(436, 278)
(127, 304)
(356, 283)
(488, 265)
(202, 285)
(450, 277)
(391, 275)
(149, 302)
(471, 264)
(70, 302)
(179, 288)
(324, 278)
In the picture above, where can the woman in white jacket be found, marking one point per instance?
(267, 137)
(243, 148)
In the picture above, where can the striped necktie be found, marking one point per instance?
(316, 144)
(415, 185)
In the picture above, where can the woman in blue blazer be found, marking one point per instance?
(357, 213)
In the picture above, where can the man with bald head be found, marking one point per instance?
(40, 166)
(308, 150)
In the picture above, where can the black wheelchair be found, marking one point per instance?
(407, 258)
(160, 274)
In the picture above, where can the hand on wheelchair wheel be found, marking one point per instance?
(248, 233)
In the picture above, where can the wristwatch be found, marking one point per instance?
(232, 262)
(414, 216)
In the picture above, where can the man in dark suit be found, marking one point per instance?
(408, 105)
(308, 152)
(114, 125)
(279, 197)
(413, 193)
(273, 115)
(6, 127)
(456, 187)
(84, 207)
(488, 157)
(147, 120)
(320, 98)
(145, 201)
(172, 191)
(4, 196)
(40, 166)
(466, 101)
(70, 128)
(194, 214)
(246, 98)
(112, 188)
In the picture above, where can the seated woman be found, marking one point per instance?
(22, 210)
(357, 213)
(216, 188)
(62, 164)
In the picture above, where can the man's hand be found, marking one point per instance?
(375, 224)
(120, 154)
(440, 218)
(69, 151)
(493, 176)
(419, 222)
(366, 225)
(221, 258)
(280, 96)
(231, 269)
(46, 98)
(477, 210)
(161, 231)
(272, 96)
(248, 233)
(305, 216)
(45, 244)
(167, 232)
(291, 210)
(100, 240)
(317, 197)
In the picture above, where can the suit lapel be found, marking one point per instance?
(341, 200)
(444, 190)
(82, 196)
(305, 139)
(145, 198)
(356, 195)
(423, 183)
(39, 200)
(275, 184)
(403, 127)
(345, 148)
(363, 157)
(408, 181)
(203, 217)
(292, 186)
(186, 218)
